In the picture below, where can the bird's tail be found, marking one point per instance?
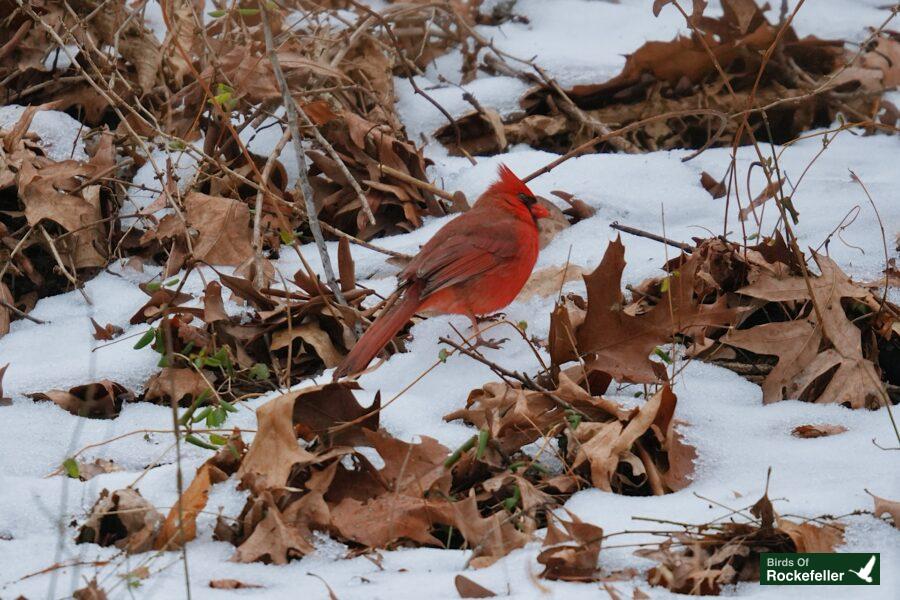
(380, 333)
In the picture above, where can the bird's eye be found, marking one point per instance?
(526, 199)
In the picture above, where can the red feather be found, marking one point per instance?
(474, 265)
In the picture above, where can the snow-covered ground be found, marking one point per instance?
(737, 438)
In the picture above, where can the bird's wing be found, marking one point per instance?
(460, 252)
(868, 568)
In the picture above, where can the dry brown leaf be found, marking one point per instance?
(548, 281)
(124, 519)
(223, 227)
(769, 192)
(273, 541)
(570, 555)
(5, 313)
(181, 523)
(466, 588)
(107, 332)
(891, 507)
(619, 343)
(182, 385)
(313, 336)
(4, 401)
(810, 537)
(101, 400)
(92, 591)
(213, 307)
(715, 188)
(275, 449)
(99, 466)
(232, 584)
(318, 409)
(814, 431)
(840, 374)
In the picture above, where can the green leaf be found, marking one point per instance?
(202, 414)
(443, 355)
(227, 406)
(510, 503)
(215, 14)
(483, 436)
(663, 355)
(145, 339)
(216, 418)
(574, 419)
(171, 282)
(523, 325)
(154, 286)
(287, 237)
(193, 439)
(248, 12)
(217, 439)
(71, 468)
(259, 371)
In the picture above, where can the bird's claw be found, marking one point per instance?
(492, 318)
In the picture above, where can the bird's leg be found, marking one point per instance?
(480, 341)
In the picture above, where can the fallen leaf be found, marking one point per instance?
(548, 281)
(810, 537)
(107, 332)
(840, 374)
(715, 188)
(4, 401)
(891, 507)
(99, 466)
(181, 523)
(92, 591)
(181, 385)
(124, 519)
(232, 584)
(101, 400)
(620, 344)
(223, 227)
(273, 541)
(466, 588)
(570, 554)
(814, 431)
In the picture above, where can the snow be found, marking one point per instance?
(60, 134)
(737, 438)
(148, 182)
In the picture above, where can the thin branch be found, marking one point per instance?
(312, 216)
(687, 248)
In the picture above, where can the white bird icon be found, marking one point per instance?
(865, 572)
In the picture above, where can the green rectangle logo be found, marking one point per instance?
(808, 568)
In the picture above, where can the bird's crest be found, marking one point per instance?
(509, 183)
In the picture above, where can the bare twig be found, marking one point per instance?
(259, 275)
(589, 145)
(342, 167)
(687, 248)
(312, 216)
(355, 240)
(22, 314)
(526, 381)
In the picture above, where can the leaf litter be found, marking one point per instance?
(310, 468)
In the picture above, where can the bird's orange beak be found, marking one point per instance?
(539, 212)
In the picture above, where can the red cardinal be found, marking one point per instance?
(474, 265)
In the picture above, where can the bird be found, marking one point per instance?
(474, 265)
(866, 572)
